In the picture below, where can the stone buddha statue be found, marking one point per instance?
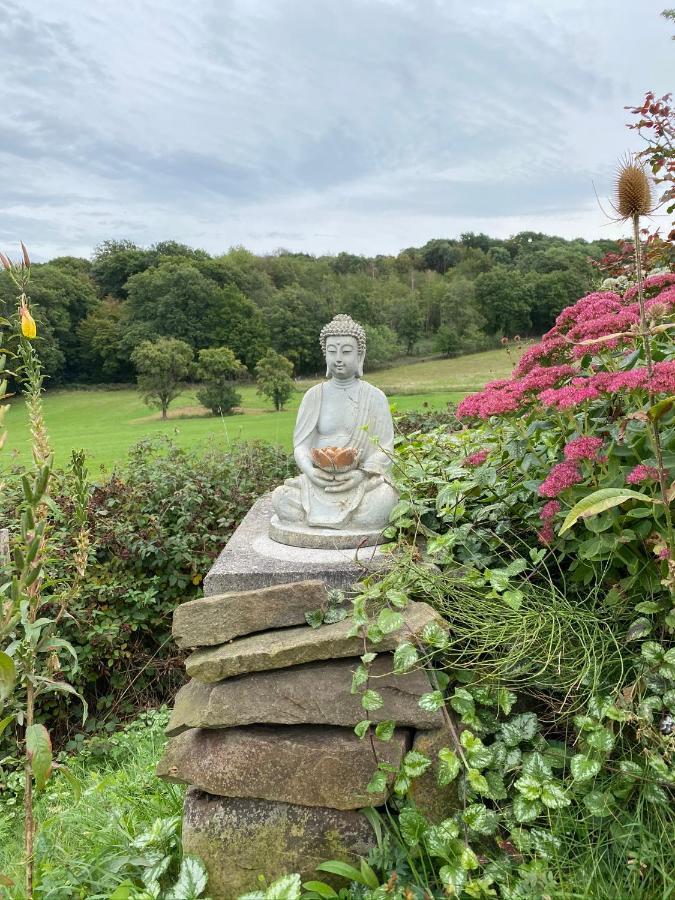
(343, 443)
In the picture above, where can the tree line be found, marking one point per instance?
(449, 296)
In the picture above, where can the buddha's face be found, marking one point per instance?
(343, 360)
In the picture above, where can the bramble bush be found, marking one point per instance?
(154, 528)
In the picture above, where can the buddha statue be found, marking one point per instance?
(343, 443)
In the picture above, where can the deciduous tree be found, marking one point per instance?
(163, 367)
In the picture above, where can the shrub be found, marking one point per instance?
(155, 528)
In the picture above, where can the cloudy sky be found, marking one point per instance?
(316, 125)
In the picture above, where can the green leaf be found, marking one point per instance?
(192, 879)
(600, 739)
(335, 614)
(553, 795)
(478, 782)
(462, 702)
(526, 810)
(413, 826)
(7, 676)
(449, 766)
(529, 786)
(388, 620)
(370, 879)
(371, 700)
(513, 598)
(435, 636)
(384, 731)
(652, 653)
(39, 750)
(377, 783)
(477, 754)
(481, 819)
(584, 768)
(5, 722)
(359, 677)
(431, 701)
(640, 628)
(453, 877)
(325, 891)
(415, 763)
(599, 803)
(441, 840)
(522, 727)
(361, 728)
(599, 501)
(405, 657)
(397, 599)
(505, 700)
(344, 870)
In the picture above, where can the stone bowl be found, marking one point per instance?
(335, 459)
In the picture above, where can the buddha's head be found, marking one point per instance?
(343, 342)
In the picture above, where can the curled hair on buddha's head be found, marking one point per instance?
(343, 326)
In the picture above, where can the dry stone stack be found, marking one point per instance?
(263, 731)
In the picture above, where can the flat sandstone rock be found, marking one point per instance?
(240, 839)
(294, 646)
(309, 765)
(217, 619)
(316, 693)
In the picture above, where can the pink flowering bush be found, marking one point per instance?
(575, 421)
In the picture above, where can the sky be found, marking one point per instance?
(318, 126)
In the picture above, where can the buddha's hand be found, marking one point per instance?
(346, 481)
(319, 478)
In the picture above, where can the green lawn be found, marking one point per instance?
(106, 423)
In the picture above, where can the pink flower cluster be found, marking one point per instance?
(476, 459)
(653, 282)
(547, 514)
(563, 475)
(548, 370)
(642, 473)
(583, 447)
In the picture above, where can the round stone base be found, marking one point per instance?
(322, 538)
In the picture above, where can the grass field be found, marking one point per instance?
(106, 423)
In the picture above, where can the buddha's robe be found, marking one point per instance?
(372, 433)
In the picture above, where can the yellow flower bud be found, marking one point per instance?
(28, 328)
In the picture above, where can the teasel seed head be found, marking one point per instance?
(633, 190)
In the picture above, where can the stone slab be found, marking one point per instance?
(294, 646)
(251, 559)
(309, 765)
(222, 617)
(315, 693)
(240, 839)
(434, 802)
(323, 538)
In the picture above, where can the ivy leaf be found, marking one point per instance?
(520, 728)
(388, 620)
(478, 782)
(462, 702)
(384, 731)
(652, 653)
(481, 819)
(415, 763)
(599, 803)
(39, 749)
(192, 879)
(371, 700)
(526, 810)
(431, 701)
(7, 676)
(413, 826)
(361, 728)
(405, 657)
(639, 629)
(529, 786)
(553, 795)
(584, 768)
(378, 783)
(449, 766)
